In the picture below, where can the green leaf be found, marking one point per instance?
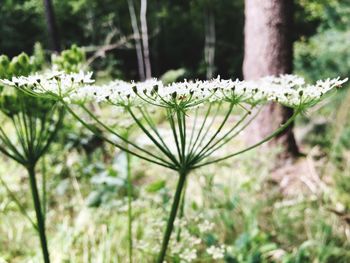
(156, 186)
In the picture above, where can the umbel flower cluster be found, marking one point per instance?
(190, 146)
(289, 90)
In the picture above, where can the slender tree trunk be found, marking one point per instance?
(51, 26)
(209, 49)
(269, 51)
(137, 37)
(144, 36)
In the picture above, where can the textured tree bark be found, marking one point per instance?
(144, 36)
(51, 26)
(210, 37)
(138, 46)
(269, 51)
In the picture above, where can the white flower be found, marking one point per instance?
(189, 255)
(206, 226)
(55, 83)
(288, 90)
(7, 82)
(216, 252)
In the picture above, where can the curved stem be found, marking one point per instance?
(18, 159)
(6, 140)
(218, 130)
(18, 203)
(208, 129)
(272, 135)
(119, 136)
(192, 130)
(227, 137)
(182, 133)
(174, 132)
(93, 129)
(51, 136)
(149, 135)
(38, 212)
(151, 124)
(200, 131)
(174, 208)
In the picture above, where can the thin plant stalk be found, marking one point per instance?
(39, 213)
(130, 190)
(44, 185)
(18, 203)
(174, 208)
(182, 211)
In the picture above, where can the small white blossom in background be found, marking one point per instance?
(189, 255)
(206, 226)
(216, 252)
(190, 246)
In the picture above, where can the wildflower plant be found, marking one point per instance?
(192, 246)
(198, 114)
(29, 126)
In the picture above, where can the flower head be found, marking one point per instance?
(288, 90)
(216, 252)
(55, 83)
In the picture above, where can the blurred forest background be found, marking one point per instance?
(180, 34)
(299, 212)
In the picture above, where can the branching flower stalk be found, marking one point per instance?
(198, 114)
(29, 126)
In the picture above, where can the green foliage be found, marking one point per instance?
(19, 65)
(12, 100)
(21, 25)
(172, 75)
(38, 59)
(323, 55)
(70, 60)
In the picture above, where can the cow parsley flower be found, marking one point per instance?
(190, 148)
(54, 83)
(205, 226)
(189, 255)
(288, 90)
(216, 252)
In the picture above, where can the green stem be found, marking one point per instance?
(110, 130)
(38, 211)
(156, 143)
(218, 130)
(173, 129)
(161, 162)
(182, 210)
(128, 170)
(44, 192)
(226, 138)
(272, 135)
(18, 203)
(173, 212)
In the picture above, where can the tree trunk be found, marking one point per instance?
(51, 26)
(210, 37)
(144, 36)
(138, 46)
(269, 51)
